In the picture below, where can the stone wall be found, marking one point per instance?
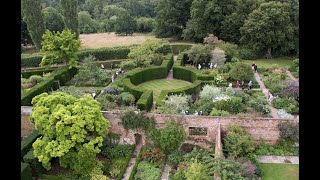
(259, 128)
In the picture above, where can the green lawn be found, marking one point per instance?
(266, 63)
(158, 85)
(280, 171)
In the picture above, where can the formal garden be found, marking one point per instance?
(95, 72)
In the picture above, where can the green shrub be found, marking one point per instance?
(134, 169)
(131, 120)
(25, 171)
(127, 99)
(26, 144)
(184, 73)
(117, 151)
(133, 89)
(241, 72)
(35, 79)
(231, 50)
(238, 142)
(175, 104)
(30, 60)
(34, 163)
(289, 131)
(40, 72)
(289, 104)
(154, 156)
(234, 105)
(175, 157)
(178, 48)
(146, 170)
(146, 101)
(216, 112)
(197, 171)
(247, 54)
(124, 167)
(199, 54)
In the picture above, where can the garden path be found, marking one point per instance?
(291, 76)
(279, 159)
(265, 91)
(165, 173)
(170, 74)
(132, 161)
(26, 110)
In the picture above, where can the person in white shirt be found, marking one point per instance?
(211, 65)
(102, 66)
(199, 66)
(270, 98)
(94, 95)
(230, 84)
(215, 65)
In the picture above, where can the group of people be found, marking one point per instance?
(210, 65)
(242, 85)
(118, 73)
(196, 113)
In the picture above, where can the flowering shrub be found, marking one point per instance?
(175, 104)
(288, 104)
(219, 80)
(291, 91)
(221, 97)
(289, 131)
(283, 114)
(209, 92)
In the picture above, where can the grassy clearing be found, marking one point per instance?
(280, 171)
(110, 39)
(266, 63)
(158, 85)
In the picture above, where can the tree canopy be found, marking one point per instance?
(71, 129)
(53, 20)
(70, 15)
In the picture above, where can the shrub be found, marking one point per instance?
(175, 104)
(197, 171)
(34, 163)
(147, 171)
(179, 48)
(26, 144)
(199, 54)
(117, 151)
(184, 73)
(175, 157)
(241, 72)
(209, 92)
(231, 50)
(289, 104)
(215, 112)
(35, 79)
(247, 54)
(40, 71)
(234, 105)
(25, 171)
(146, 101)
(113, 90)
(116, 167)
(154, 156)
(145, 24)
(127, 99)
(238, 142)
(131, 120)
(290, 91)
(128, 65)
(284, 114)
(218, 57)
(289, 131)
(179, 175)
(205, 107)
(170, 137)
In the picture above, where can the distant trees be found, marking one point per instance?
(31, 12)
(86, 23)
(25, 36)
(70, 15)
(53, 20)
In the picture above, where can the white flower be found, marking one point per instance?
(221, 97)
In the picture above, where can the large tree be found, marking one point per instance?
(71, 129)
(60, 47)
(172, 16)
(268, 27)
(230, 30)
(53, 20)
(86, 23)
(206, 18)
(70, 14)
(31, 11)
(25, 35)
(125, 24)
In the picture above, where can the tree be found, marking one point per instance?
(199, 54)
(60, 47)
(197, 171)
(218, 57)
(31, 10)
(212, 40)
(170, 137)
(206, 18)
(72, 130)
(241, 71)
(94, 7)
(267, 28)
(171, 18)
(70, 15)
(175, 104)
(230, 30)
(86, 23)
(145, 24)
(25, 36)
(238, 142)
(125, 24)
(53, 21)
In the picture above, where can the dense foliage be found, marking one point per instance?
(70, 15)
(53, 20)
(72, 130)
(199, 54)
(241, 72)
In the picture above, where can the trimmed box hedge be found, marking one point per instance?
(36, 166)
(106, 53)
(134, 169)
(131, 88)
(60, 177)
(26, 144)
(184, 73)
(145, 102)
(178, 48)
(141, 75)
(28, 73)
(61, 75)
(25, 171)
(123, 170)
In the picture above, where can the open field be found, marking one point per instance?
(158, 85)
(110, 39)
(266, 63)
(280, 171)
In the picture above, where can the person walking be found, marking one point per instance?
(252, 65)
(215, 65)
(250, 84)
(111, 65)
(242, 85)
(230, 84)
(238, 85)
(112, 78)
(199, 67)
(270, 98)
(102, 66)
(255, 67)
(211, 65)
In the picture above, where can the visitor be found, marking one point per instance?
(215, 65)
(270, 98)
(112, 78)
(94, 95)
(199, 67)
(238, 85)
(250, 84)
(252, 65)
(211, 65)
(196, 113)
(186, 112)
(230, 84)
(201, 113)
(242, 85)
(111, 65)
(102, 66)
(255, 67)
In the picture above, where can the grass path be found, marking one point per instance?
(158, 85)
(266, 63)
(280, 171)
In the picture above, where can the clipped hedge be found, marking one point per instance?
(123, 170)
(184, 73)
(168, 62)
(25, 171)
(141, 75)
(177, 48)
(61, 75)
(35, 165)
(106, 53)
(131, 88)
(134, 169)
(26, 144)
(146, 100)
(28, 73)
(60, 177)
